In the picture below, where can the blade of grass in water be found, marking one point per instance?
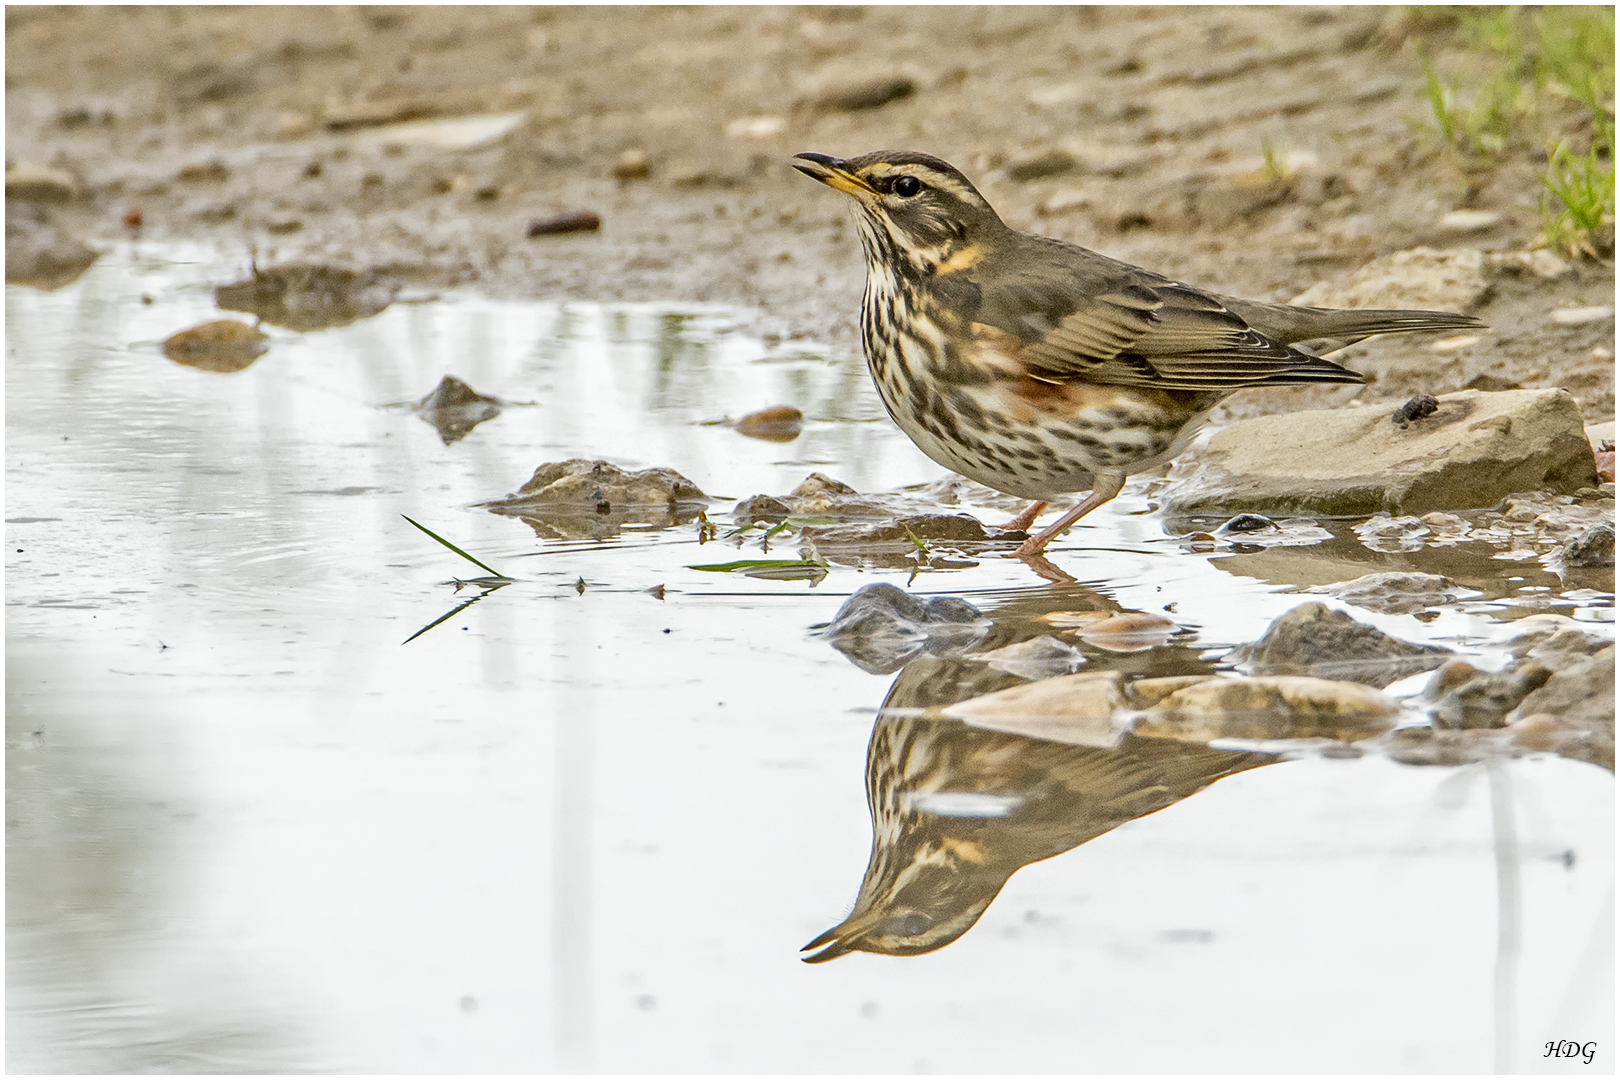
(482, 566)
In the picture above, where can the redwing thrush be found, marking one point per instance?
(1037, 367)
(956, 810)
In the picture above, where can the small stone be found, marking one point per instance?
(1274, 707)
(1247, 523)
(578, 221)
(901, 530)
(1314, 639)
(761, 508)
(1147, 692)
(1393, 593)
(872, 94)
(579, 481)
(304, 296)
(132, 218)
(1053, 162)
(454, 408)
(1583, 696)
(780, 423)
(756, 127)
(1489, 383)
(1483, 699)
(1066, 201)
(881, 627)
(1038, 658)
(224, 345)
(375, 113)
(40, 183)
(212, 172)
(1592, 548)
(1129, 632)
(1074, 709)
(1542, 264)
(41, 254)
(1468, 221)
(632, 165)
(821, 484)
(1452, 344)
(1578, 316)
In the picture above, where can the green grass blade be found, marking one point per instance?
(482, 566)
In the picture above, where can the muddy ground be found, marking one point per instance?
(1135, 131)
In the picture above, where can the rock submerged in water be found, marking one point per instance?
(880, 627)
(1313, 639)
(304, 296)
(1473, 451)
(582, 497)
(1269, 707)
(223, 345)
(455, 408)
(1395, 593)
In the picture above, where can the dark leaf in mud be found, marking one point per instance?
(780, 423)
(302, 296)
(224, 345)
(580, 221)
(454, 409)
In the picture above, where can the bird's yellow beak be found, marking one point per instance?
(834, 172)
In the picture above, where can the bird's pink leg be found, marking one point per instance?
(1103, 489)
(1025, 519)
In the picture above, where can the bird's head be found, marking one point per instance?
(924, 902)
(917, 215)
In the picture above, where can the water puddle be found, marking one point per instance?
(294, 787)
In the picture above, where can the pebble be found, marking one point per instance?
(578, 221)
(755, 127)
(872, 94)
(212, 172)
(761, 508)
(1037, 658)
(40, 183)
(223, 345)
(1269, 707)
(1542, 264)
(1467, 221)
(881, 627)
(454, 408)
(1452, 344)
(780, 423)
(1074, 709)
(1580, 315)
(632, 165)
(1592, 548)
(1053, 162)
(1314, 639)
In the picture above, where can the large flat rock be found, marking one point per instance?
(1473, 451)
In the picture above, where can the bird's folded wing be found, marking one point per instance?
(1143, 333)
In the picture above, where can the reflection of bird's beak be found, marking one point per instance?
(834, 172)
(840, 939)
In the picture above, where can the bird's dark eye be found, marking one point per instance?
(907, 186)
(911, 923)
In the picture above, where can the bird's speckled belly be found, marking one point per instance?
(1032, 440)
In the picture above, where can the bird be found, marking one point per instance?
(1040, 368)
(957, 810)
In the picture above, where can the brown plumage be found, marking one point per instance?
(1039, 368)
(956, 810)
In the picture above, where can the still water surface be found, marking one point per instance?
(586, 824)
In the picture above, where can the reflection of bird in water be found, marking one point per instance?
(956, 811)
